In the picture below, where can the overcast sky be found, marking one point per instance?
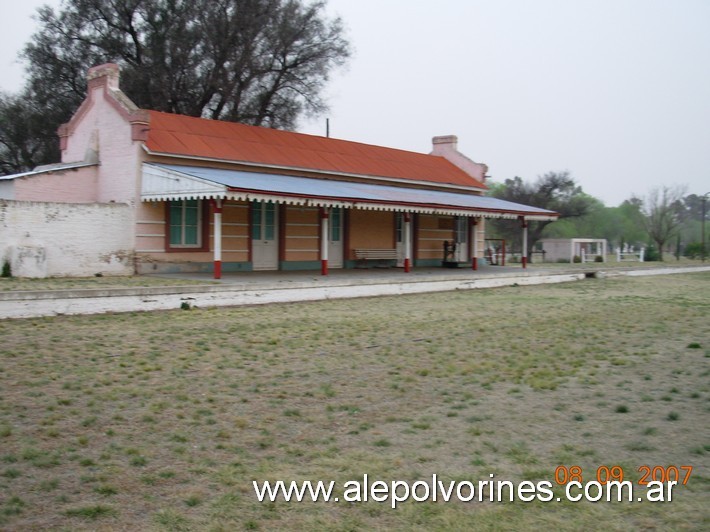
(615, 91)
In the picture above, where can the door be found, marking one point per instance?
(335, 238)
(461, 230)
(264, 237)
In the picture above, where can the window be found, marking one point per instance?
(263, 221)
(336, 224)
(185, 224)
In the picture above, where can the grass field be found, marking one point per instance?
(160, 421)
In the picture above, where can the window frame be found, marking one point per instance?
(203, 226)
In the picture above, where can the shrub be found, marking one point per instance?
(598, 258)
(651, 254)
(577, 258)
(6, 269)
(694, 250)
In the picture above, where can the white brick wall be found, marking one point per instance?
(66, 239)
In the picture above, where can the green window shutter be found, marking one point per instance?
(175, 223)
(191, 223)
(335, 224)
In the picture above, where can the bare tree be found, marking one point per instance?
(260, 62)
(662, 214)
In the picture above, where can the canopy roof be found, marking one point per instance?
(163, 182)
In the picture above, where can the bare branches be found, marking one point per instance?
(662, 214)
(262, 62)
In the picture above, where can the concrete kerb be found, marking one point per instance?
(95, 301)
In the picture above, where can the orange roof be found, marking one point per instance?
(232, 142)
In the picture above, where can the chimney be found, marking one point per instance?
(447, 147)
(106, 75)
(445, 144)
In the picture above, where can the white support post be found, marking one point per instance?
(407, 242)
(217, 229)
(324, 240)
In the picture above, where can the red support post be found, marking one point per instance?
(524, 254)
(407, 242)
(474, 243)
(217, 228)
(324, 241)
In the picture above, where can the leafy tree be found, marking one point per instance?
(662, 214)
(261, 62)
(556, 191)
(618, 225)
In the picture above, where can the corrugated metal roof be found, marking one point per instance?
(186, 136)
(47, 169)
(253, 185)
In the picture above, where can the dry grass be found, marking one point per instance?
(611, 264)
(162, 420)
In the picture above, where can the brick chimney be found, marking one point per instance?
(446, 146)
(107, 75)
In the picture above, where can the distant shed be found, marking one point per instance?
(566, 249)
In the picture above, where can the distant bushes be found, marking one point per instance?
(694, 250)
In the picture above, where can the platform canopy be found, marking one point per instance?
(163, 182)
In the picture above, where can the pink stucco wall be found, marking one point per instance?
(447, 147)
(74, 186)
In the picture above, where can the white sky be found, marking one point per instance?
(615, 91)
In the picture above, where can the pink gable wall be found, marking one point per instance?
(109, 128)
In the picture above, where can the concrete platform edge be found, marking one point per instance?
(87, 301)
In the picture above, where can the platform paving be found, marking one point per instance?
(255, 288)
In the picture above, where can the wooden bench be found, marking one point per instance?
(381, 255)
